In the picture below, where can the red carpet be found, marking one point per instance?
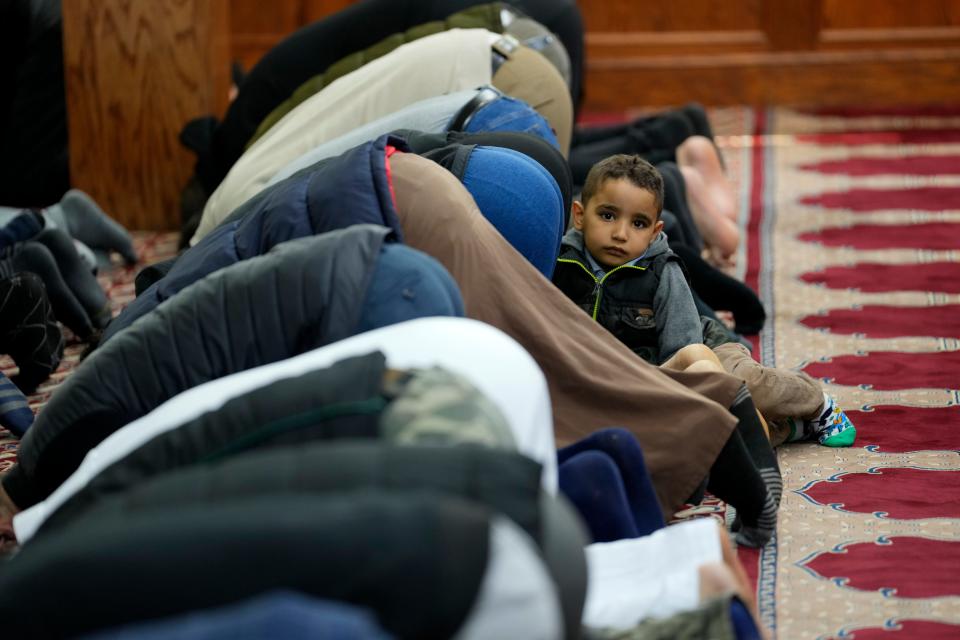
(865, 200)
(868, 539)
(915, 493)
(905, 567)
(885, 321)
(891, 370)
(903, 429)
(872, 277)
(935, 236)
(909, 629)
(912, 166)
(873, 112)
(872, 136)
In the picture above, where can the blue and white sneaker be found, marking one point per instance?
(832, 428)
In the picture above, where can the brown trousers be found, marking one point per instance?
(777, 393)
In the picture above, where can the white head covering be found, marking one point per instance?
(496, 364)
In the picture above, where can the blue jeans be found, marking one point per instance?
(509, 114)
(408, 284)
(521, 199)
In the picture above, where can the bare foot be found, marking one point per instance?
(698, 152)
(726, 317)
(718, 231)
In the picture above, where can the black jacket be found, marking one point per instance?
(302, 295)
(417, 561)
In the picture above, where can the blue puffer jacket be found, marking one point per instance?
(333, 194)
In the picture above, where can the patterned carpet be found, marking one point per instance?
(855, 248)
(852, 222)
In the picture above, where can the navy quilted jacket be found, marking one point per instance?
(332, 194)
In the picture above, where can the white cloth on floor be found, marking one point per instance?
(653, 576)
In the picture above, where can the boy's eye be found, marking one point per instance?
(606, 215)
(640, 224)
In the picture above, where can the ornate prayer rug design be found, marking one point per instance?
(853, 227)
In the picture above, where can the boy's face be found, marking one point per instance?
(618, 223)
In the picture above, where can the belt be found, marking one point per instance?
(485, 96)
(502, 50)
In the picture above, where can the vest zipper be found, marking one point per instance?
(598, 282)
(599, 287)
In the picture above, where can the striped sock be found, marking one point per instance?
(15, 413)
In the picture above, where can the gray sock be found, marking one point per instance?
(86, 254)
(89, 224)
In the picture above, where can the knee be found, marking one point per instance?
(588, 470)
(701, 366)
(35, 257)
(56, 240)
(697, 353)
(736, 360)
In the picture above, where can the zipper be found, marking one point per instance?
(598, 282)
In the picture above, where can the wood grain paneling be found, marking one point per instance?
(690, 15)
(256, 26)
(815, 79)
(890, 14)
(135, 73)
(803, 52)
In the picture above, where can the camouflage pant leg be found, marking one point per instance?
(436, 407)
(710, 620)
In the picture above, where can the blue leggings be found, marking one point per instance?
(605, 476)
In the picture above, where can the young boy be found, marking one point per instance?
(615, 264)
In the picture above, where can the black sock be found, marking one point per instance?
(757, 443)
(735, 479)
(28, 330)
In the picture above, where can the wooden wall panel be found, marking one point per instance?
(135, 73)
(803, 52)
(690, 15)
(256, 25)
(890, 14)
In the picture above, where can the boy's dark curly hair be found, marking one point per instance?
(634, 168)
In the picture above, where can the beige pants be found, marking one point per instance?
(777, 393)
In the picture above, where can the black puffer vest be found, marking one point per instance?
(621, 301)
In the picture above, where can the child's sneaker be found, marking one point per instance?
(833, 428)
